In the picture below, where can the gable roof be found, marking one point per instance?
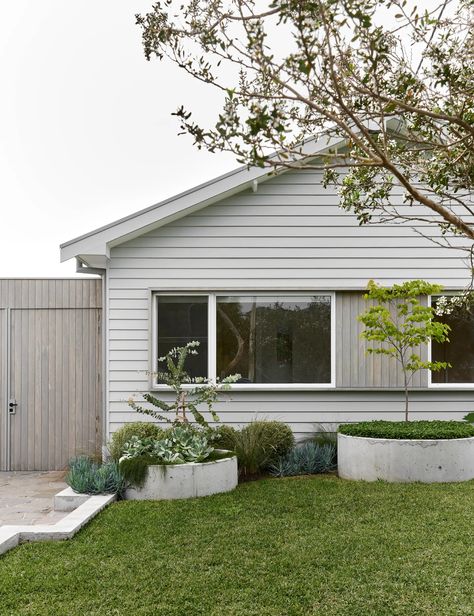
(93, 248)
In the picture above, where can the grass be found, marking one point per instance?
(275, 547)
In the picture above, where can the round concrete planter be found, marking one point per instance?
(427, 461)
(173, 481)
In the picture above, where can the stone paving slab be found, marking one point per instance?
(26, 497)
(12, 535)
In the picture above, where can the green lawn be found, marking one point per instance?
(304, 546)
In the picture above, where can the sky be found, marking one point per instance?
(86, 132)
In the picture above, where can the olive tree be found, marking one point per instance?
(397, 322)
(391, 80)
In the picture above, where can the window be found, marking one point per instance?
(179, 321)
(459, 351)
(269, 339)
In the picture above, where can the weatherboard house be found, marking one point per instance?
(267, 272)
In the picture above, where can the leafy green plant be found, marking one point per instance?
(409, 430)
(190, 392)
(87, 477)
(398, 323)
(469, 417)
(140, 429)
(307, 459)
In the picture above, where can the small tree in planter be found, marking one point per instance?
(182, 445)
(400, 323)
(190, 392)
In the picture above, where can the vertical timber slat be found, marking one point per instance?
(54, 369)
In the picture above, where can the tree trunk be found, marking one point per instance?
(181, 409)
(252, 343)
(406, 397)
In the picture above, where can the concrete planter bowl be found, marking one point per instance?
(405, 460)
(174, 481)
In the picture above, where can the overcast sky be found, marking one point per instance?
(86, 134)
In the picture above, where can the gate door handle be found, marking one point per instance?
(12, 407)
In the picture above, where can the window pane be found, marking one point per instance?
(274, 339)
(459, 351)
(181, 320)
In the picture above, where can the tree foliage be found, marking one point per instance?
(397, 322)
(390, 79)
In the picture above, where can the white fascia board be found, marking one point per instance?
(100, 241)
(95, 261)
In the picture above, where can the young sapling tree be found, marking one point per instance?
(189, 392)
(399, 323)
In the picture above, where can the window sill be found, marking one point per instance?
(261, 387)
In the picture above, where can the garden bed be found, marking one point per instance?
(175, 481)
(424, 451)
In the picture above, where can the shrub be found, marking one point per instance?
(261, 443)
(409, 430)
(277, 437)
(140, 429)
(306, 459)
(87, 477)
(223, 437)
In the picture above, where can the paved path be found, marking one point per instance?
(26, 497)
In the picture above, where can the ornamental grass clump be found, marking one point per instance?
(257, 445)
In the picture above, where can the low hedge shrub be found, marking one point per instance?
(409, 429)
(223, 437)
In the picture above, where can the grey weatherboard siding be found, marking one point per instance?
(288, 235)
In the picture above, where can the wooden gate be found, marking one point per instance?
(51, 365)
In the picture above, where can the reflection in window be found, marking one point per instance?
(459, 351)
(274, 339)
(182, 320)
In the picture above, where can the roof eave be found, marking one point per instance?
(99, 241)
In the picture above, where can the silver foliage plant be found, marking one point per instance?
(180, 445)
(88, 477)
(307, 459)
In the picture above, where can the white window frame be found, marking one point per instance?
(212, 337)
(432, 385)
